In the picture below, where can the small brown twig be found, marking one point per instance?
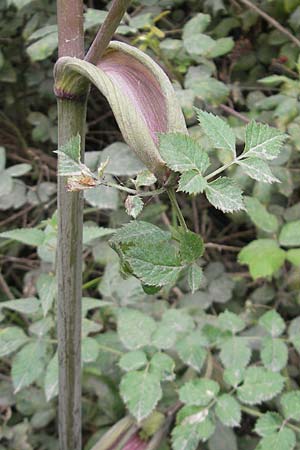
(234, 113)
(5, 288)
(220, 247)
(271, 21)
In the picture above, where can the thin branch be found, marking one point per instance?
(5, 288)
(272, 21)
(107, 30)
(234, 113)
(220, 247)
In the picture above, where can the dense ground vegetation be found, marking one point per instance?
(224, 357)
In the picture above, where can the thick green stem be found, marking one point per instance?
(69, 273)
(71, 121)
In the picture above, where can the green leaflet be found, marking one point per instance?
(263, 256)
(182, 153)
(263, 141)
(219, 133)
(140, 391)
(225, 195)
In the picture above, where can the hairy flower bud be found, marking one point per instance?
(140, 94)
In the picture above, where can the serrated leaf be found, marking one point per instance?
(228, 410)
(284, 439)
(263, 256)
(28, 364)
(134, 205)
(191, 246)
(89, 349)
(137, 232)
(218, 131)
(231, 322)
(198, 392)
(259, 386)
(195, 276)
(234, 377)
(51, 379)
(260, 216)
(135, 328)
(274, 354)
(193, 429)
(141, 392)
(192, 182)
(235, 353)
(181, 153)
(268, 424)
(258, 169)
(46, 287)
(11, 338)
(191, 350)
(133, 360)
(290, 234)
(263, 141)
(28, 236)
(272, 322)
(225, 195)
(290, 402)
(154, 264)
(163, 366)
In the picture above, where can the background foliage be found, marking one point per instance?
(227, 354)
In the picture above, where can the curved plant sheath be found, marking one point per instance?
(139, 92)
